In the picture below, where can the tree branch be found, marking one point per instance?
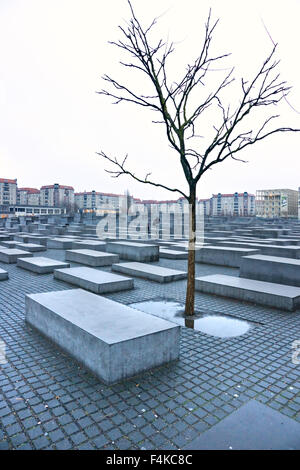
(124, 171)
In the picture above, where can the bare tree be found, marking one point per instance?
(180, 110)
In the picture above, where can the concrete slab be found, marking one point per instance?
(40, 264)
(110, 339)
(249, 290)
(254, 426)
(91, 257)
(223, 256)
(268, 249)
(9, 243)
(38, 239)
(134, 251)
(99, 282)
(10, 255)
(90, 245)
(271, 269)
(3, 275)
(172, 254)
(21, 237)
(60, 243)
(32, 247)
(149, 271)
(4, 238)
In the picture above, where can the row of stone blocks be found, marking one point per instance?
(247, 290)
(265, 280)
(112, 340)
(267, 249)
(223, 256)
(125, 250)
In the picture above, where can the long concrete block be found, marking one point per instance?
(32, 247)
(21, 237)
(172, 254)
(271, 269)
(5, 238)
(10, 255)
(9, 244)
(99, 282)
(40, 264)
(148, 271)
(259, 292)
(90, 245)
(266, 249)
(112, 340)
(3, 275)
(91, 257)
(60, 243)
(223, 256)
(38, 240)
(134, 251)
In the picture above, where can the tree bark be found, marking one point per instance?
(190, 292)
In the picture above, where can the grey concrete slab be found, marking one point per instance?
(90, 245)
(149, 271)
(223, 256)
(38, 239)
(254, 426)
(283, 241)
(4, 238)
(10, 255)
(248, 290)
(134, 251)
(21, 237)
(271, 269)
(268, 249)
(112, 340)
(9, 243)
(91, 257)
(3, 275)
(172, 254)
(32, 247)
(99, 282)
(60, 243)
(40, 264)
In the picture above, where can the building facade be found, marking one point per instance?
(236, 204)
(274, 203)
(28, 196)
(8, 191)
(57, 195)
(32, 210)
(93, 200)
(205, 206)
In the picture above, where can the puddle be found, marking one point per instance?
(221, 325)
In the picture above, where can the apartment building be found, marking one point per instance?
(57, 195)
(236, 204)
(28, 196)
(92, 200)
(273, 203)
(205, 206)
(8, 191)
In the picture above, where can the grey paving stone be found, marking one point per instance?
(206, 362)
(253, 426)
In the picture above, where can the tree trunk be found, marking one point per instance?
(190, 292)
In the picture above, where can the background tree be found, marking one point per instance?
(180, 109)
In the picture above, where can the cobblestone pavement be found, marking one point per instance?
(47, 401)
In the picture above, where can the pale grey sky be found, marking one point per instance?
(53, 54)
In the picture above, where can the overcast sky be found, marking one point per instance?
(53, 54)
